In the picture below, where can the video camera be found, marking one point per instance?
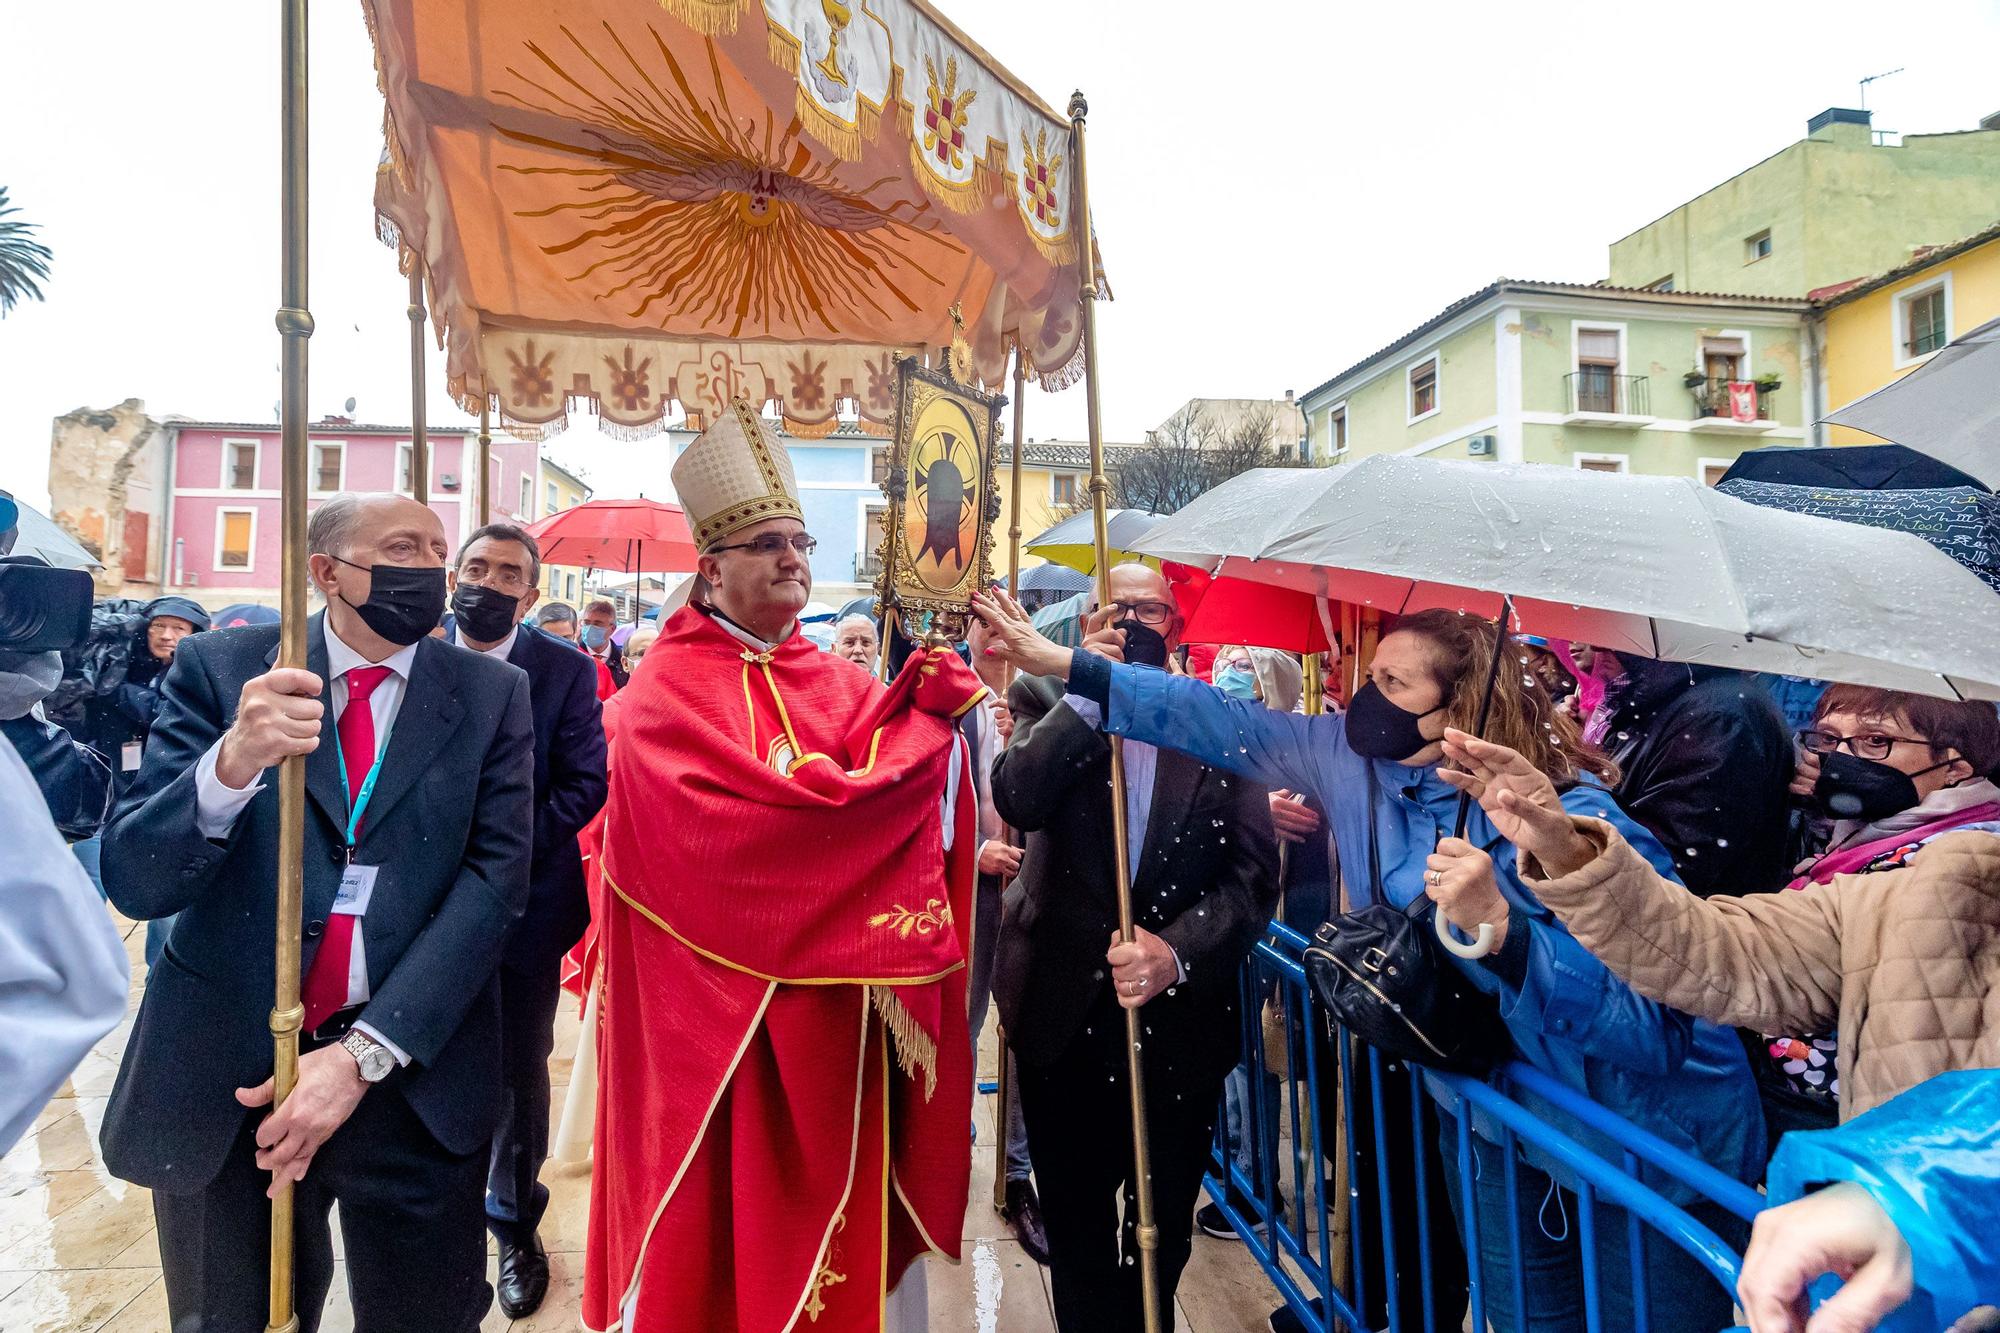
(42, 608)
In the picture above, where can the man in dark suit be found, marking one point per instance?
(491, 590)
(417, 828)
(1204, 882)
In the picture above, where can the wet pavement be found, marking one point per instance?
(78, 1250)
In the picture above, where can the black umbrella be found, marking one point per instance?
(1866, 467)
(1961, 521)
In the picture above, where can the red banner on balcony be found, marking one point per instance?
(1742, 400)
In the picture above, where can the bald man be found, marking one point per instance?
(419, 760)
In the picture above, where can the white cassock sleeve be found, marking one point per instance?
(948, 804)
(64, 976)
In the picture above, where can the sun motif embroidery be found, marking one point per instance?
(534, 380)
(944, 116)
(629, 386)
(881, 383)
(935, 916)
(1038, 170)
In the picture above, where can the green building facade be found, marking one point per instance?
(1576, 376)
(1840, 204)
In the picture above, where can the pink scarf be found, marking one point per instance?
(1851, 860)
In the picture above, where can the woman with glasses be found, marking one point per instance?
(1889, 939)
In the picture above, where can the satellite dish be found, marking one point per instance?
(350, 407)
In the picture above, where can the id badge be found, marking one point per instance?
(357, 886)
(129, 755)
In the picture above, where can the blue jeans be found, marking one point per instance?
(89, 854)
(1681, 1295)
(1238, 1133)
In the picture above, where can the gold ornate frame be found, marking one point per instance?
(923, 606)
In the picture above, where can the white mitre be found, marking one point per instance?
(734, 475)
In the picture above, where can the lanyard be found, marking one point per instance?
(357, 804)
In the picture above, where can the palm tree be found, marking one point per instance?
(23, 260)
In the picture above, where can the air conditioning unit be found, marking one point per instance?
(1482, 446)
(448, 482)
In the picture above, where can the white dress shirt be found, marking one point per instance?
(63, 970)
(499, 650)
(217, 806)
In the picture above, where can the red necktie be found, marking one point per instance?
(325, 991)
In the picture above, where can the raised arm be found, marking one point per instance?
(1175, 712)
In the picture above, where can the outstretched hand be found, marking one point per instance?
(1518, 798)
(1014, 637)
(1839, 1230)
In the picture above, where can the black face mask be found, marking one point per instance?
(1378, 729)
(484, 614)
(1851, 787)
(1144, 645)
(404, 604)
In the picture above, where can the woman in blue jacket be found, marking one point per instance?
(1374, 770)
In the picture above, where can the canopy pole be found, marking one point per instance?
(486, 462)
(295, 326)
(1148, 1230)
(1000, 1116)
(1014, 478)
(420, 452)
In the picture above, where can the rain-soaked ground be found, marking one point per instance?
(78, 1251)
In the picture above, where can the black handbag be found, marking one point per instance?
(1383, 976)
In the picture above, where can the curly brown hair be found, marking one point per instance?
(1524, 718)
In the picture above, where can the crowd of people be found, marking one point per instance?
(791, 877)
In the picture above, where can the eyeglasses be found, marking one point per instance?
(1146, 613)
(771, 544)
(1874, 745)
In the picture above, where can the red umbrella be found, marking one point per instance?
(627, 536)
(1257, 615)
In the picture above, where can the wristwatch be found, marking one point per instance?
(372, 1059)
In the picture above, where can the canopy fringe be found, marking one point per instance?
(710, 18)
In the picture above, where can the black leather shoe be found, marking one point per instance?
(524, 1278)
(1024, 1213)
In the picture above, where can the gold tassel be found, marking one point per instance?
(916, 1052)
(710, 18)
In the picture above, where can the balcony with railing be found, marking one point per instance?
(1595, 396)
(1715, 411)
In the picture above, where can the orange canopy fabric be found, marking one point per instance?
(644, 203)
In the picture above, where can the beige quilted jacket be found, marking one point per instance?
(1904, 963)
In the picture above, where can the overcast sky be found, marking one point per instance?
(1280, 188)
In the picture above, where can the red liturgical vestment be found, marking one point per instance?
(784, 1071)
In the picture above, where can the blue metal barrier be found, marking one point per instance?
(1292, 1238)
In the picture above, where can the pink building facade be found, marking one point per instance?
(221, 541)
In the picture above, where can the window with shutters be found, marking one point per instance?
(1062, 489)
(239, 465)
(1336, 430)
(235, 538)
(1424, 388)
(328, 460)
(1602, 462)
(1598, 355)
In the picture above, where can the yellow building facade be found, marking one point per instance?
(557, 489)
(1879, 330)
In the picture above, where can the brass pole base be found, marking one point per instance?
(289, 1326)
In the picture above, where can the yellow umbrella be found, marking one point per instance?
(1073, 542)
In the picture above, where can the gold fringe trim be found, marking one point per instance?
(811, 430)
(967, 196)
(710, 18)
(834, 134)
(1055, 381)
(1061, 252)
(783, 47)
(916, 1051)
